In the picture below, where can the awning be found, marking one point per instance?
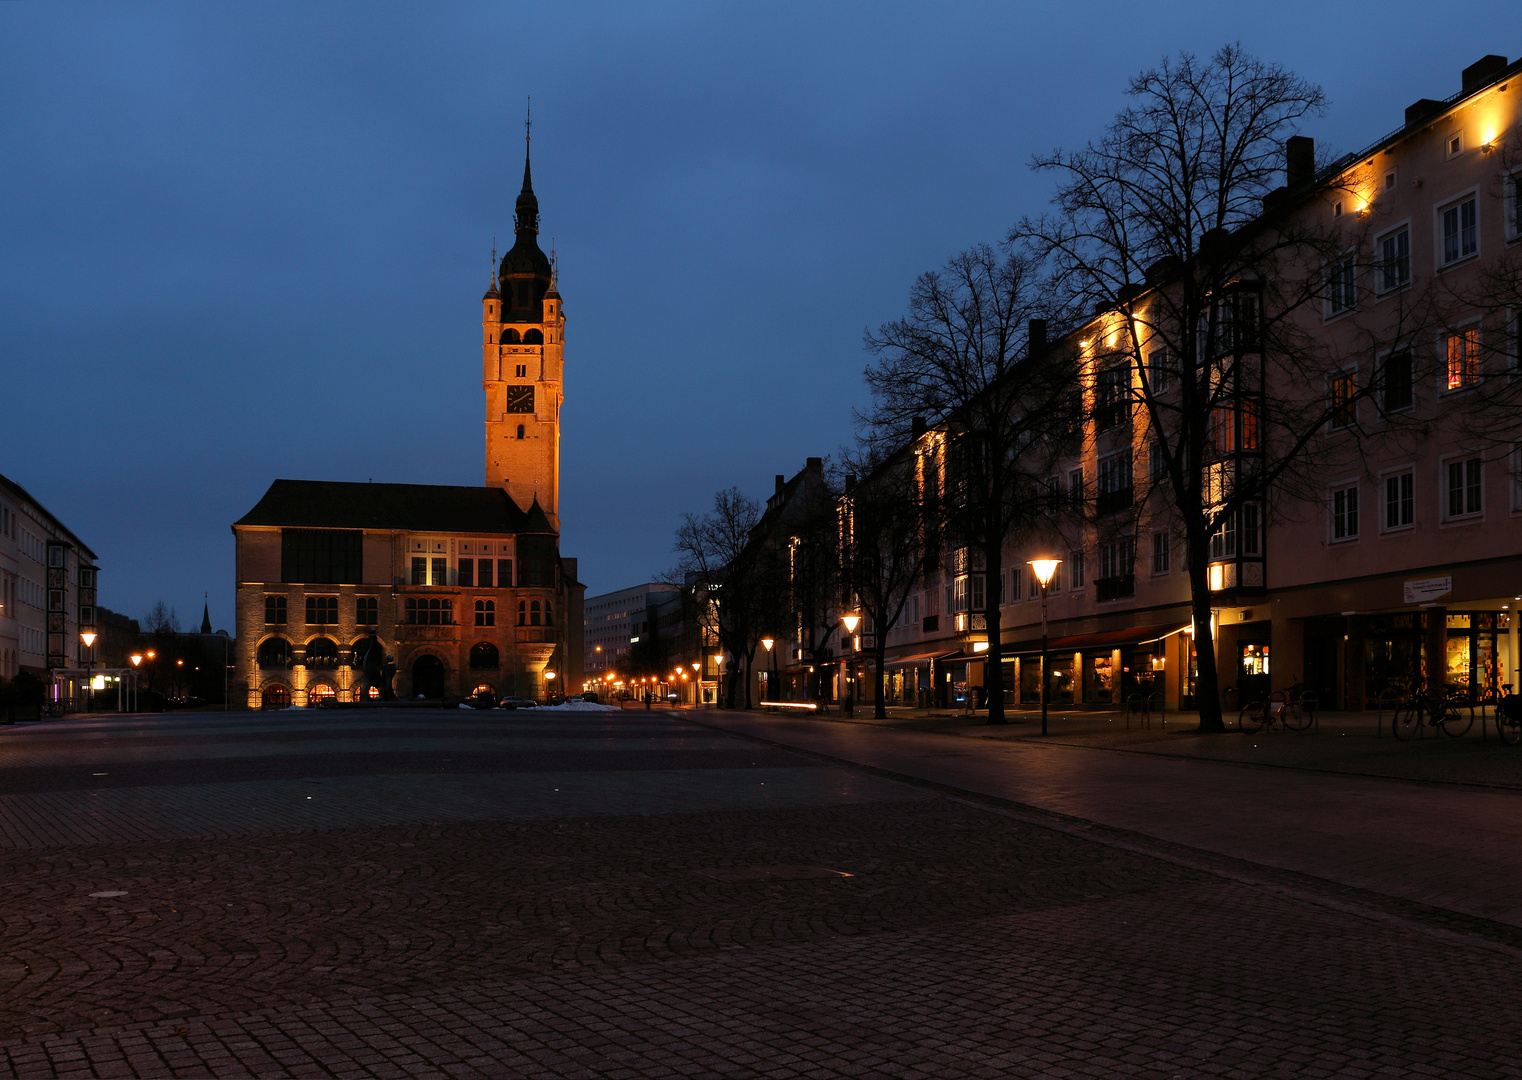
(1105, 639)
(921, 658)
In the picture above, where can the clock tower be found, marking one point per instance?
(523, 329)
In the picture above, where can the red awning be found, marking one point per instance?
(921, 658)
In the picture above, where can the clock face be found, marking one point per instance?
(519, 399)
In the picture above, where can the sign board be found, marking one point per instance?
(1424, 590)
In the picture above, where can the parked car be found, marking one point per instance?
(483, 699)
(519, 703)
(590, 695)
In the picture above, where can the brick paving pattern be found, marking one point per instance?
(329, 895)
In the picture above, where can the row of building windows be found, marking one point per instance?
(321, 610)
(322, 653)
(1462, 497)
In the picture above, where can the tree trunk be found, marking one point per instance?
(749, 658)
(880, 656)
(993, 663)
(1207, 690)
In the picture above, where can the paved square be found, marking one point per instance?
(536, 894)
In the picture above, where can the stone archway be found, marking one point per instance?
(428, 677)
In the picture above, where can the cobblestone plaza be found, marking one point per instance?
(634, 895)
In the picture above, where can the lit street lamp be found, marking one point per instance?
(850, 622)
(771, 689)
(1044, 569)
(88, 637)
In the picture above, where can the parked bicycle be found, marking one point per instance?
(1292, 709)
(1508, 716)
(1448, 710)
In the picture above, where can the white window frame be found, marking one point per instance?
(1380, 288)
(1442, 353)
(1077, 577)
(1349, 535)
(1016, 584)
(1166, 552)
(1454, 137)
(1392, 179)
(1395, 473)
(1515, 468)
(1332, 272)
(1454, 203)
(1511, 197)
(1445, 464)
(1351, 371)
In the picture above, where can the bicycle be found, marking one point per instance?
(1508, 716)
(1425, 708)
(1292, 709)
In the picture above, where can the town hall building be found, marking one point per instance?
(464, 588)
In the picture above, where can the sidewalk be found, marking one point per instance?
(1339, 806)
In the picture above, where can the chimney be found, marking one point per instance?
(1482, 71)
(1035, 337)
(813, 464)
(780, 481)
(916, 427)
(1299, 161)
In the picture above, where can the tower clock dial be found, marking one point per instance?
(519, 399)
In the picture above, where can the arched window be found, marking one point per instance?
(483, 657)
(275, 653)
(320, 693)
(533, 337)
(533, 613)
(522, 613)
(520, 431)
(486, 613)
(274, 697)
(322, 653)
(549, 614)
(509, 336)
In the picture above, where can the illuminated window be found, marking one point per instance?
(1344, 409)
(1462, 355)
(322, 653)
(320, 693)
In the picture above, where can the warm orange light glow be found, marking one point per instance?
(849, 622)
(549, 674)
(136, 658)
(767, 643)
(88, 637)
(151, 654)
(1044, 569)
(980, 646)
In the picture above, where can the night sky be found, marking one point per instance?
(241, 242)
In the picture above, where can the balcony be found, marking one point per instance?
(1115, 588)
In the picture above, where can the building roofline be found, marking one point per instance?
(23, 493)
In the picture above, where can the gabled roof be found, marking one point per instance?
(324, 504)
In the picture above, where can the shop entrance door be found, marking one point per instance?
(1253, 679)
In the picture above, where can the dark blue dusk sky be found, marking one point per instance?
(241, 242)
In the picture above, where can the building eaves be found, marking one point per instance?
(22, 493)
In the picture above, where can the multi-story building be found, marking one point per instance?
(614, 620)
(47, 590)
(464, 588)
(1399, 555)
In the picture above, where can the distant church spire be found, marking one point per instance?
(492, 288)
(206, 614)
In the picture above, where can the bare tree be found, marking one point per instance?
(711, 553)
(882, 537)
(1208, 286)
(964, 358)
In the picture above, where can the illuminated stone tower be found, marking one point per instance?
(523, 330)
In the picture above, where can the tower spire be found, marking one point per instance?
(527, 218)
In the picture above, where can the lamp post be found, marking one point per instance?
(718, 680)
(1044, 569)
(767, 643)
(137, 660)
(697, 680)
(88, 637)
(849, 623)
